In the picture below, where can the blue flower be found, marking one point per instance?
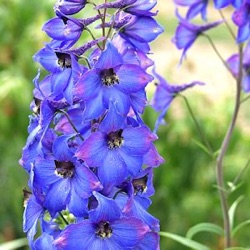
(223, 3)
(187, 33)
(70, 7)
(233, 63)
(106, 228)
(65, 181)
(117, 154)
(110, 81)
(164, 95)
(135, 7)
(195, 7)
(241, 18)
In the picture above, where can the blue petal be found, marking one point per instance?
(109, 58)
(132, 78)
(76, 235)
(107, 209)
(57, 196)
(93, 150)
(85, 182)
(128, 232)
(113, 170)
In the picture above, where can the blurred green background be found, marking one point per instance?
(185, 184)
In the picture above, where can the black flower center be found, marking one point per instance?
(64, 60)
(140, 184)
(64, 169)
(104, 230)
(115, 139)
(109, 77)
(36, 108)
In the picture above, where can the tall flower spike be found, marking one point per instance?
(87, 141)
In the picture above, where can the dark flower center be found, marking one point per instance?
(64, 169)
(36, 108)
(115, 139)
(140, 184)
(109, 77)
(64, 60)
(104, 230)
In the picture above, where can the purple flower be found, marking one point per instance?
(106, 228)
(223, 3)
(65, 181)
(110, 81)
(70, 7)
(195, 7)
(65, 72)
(241, 18)
(135, 7)
(164, 95)
(139, 30)
(117, 154)
(233, 63)
(186, 33)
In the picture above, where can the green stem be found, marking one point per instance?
(227, 24)
(242, 171)
(65, 221)
(198, 127)
(218, 54)
(220, 158)
(71, 123)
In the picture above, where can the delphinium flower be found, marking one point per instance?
(241, 18)
(233, 62)
(165, 94)
(195, 7)
(89, 155)
(187, 33)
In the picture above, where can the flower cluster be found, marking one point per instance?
(186, 34)
(89, 155)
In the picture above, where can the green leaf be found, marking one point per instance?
(232, 209)
(204, 227)
(14, 244)
(202, 146)
(236, 248)
(241, 225)
(184, 241)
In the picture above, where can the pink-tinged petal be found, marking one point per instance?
(150, 241)
(137, 140)
(152, 158)
(132, 78)
(88, 86)
(85, 182)
(233, 63)
(93, 150)
(128, 232)
(106, 210)
(76, 236)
